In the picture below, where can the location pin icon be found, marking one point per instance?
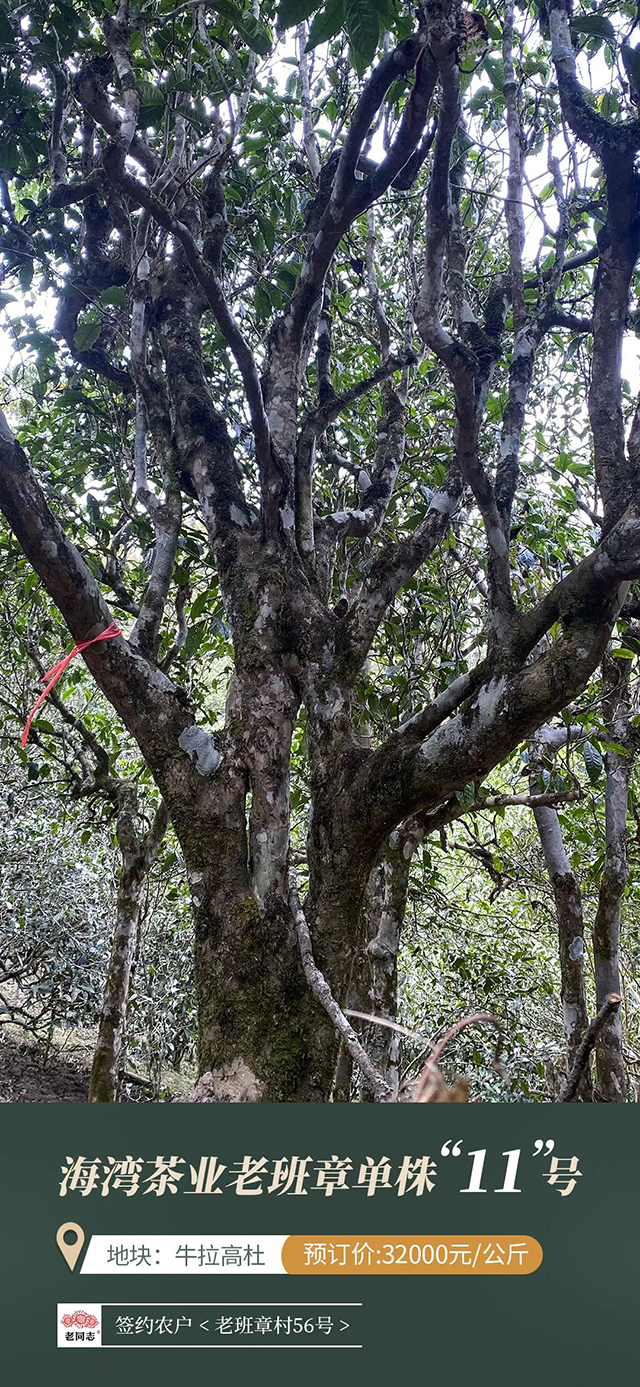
(70, 1250)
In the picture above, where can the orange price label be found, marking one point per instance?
(439, 1255)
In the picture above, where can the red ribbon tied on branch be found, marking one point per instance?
(57, 670)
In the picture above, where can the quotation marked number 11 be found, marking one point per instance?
(508, 1185)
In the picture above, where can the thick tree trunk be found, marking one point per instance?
(262, 1037)
(260, 1032)
(138, 854)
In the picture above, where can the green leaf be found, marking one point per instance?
(268, 232)
(363, 27)
(87, 334)
(93, 507)
(150, 95)
(495, 69)
(287, 276)
(25, 276)
(384, 8)
(115, 295)
(292, 12)
(631, 60)
(593, 761)
(43, 725)
(262, 300)
(326, 24)
(255, 35)
(194, 639)
(199, 605)
(9, 154)
(595, 25)
(7, 37)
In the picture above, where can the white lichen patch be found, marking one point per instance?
(450, 732)
(497, 540)
(238, 517)
(201, 748)
(159, 680)
(561, 50)
(266, 612)
(569, 1018)
(489, 697)
(269, 849)
(444, 503)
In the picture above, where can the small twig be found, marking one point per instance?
(479, 1018)
(182, 597)
(586, 1046)
(321, 990)
(545, 799)
(389, 1025)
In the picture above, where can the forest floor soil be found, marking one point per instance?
(29, 1075)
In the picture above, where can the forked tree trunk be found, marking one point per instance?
(261, 1035)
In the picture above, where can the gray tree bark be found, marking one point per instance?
(384, 911)
(568, 902)
(612, 1080)
(137, 854)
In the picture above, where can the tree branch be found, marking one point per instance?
(469, 362)
(146, 700)
(607, 1010)
(602, 136)
(322, 992)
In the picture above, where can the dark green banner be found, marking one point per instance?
(480, 1244)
